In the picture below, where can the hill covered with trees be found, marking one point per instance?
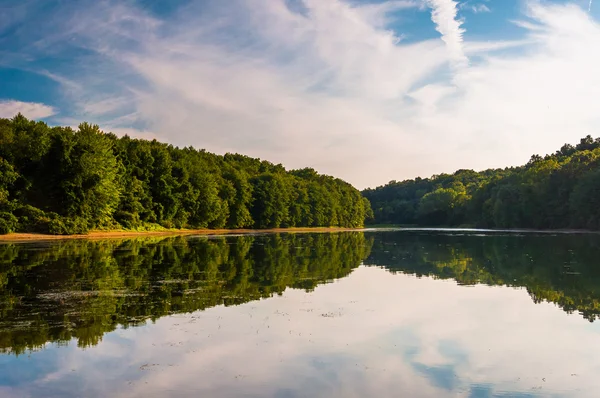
(561, 190)
(60, 181)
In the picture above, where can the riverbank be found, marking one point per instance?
(27, 237)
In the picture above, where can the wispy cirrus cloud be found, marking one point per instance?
(323, 83)
(477, 8)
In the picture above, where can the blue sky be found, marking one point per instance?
(369, 91)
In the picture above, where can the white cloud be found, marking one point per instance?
(444, 15)
(477, 8)
(540, 98)
(31, 110)
(331, 86)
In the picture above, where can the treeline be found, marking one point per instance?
(560, 269)
(60, 181)
(561, 190)
(84, 289)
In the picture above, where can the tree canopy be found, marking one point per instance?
(63, 181)
(560, 190)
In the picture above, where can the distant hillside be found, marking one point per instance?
(60, 181)
(561, 190)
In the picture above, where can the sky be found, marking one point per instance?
(366, 90)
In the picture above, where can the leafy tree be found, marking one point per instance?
(60, 181)
(553, 191)
(271, 201)
(8, 176)
(585, 202)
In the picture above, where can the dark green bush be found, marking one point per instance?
(4, 227)
(8, 223)
(127, 220)
(67, 226)
(32, 219)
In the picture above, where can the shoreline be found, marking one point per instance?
(33, 237)
(120, 234)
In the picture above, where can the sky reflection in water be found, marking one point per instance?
(372, 333)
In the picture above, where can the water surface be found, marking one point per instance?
(383, 313)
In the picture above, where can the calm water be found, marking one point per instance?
(380, 314)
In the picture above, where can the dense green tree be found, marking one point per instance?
(57, 180)
(555, 191)
(436, 208)
(271, 201)
(85, 184)
(239, 198)
(8, 176)
(585, 201)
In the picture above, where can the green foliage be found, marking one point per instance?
(585, 201)
(60, 181)
(8, 176)
(67, 226)
(369, 215)
(32, 219)
(8, 223)
(437, 207)
(271, 201)
(561, 190)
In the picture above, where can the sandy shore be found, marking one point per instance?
(132, 234)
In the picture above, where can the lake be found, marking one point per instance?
(390, 313)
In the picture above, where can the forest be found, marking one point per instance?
(557, 191)
(57, 180)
